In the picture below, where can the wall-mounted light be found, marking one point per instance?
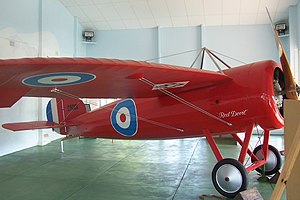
(281, 28)
(88, 35)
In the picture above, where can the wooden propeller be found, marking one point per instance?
(290, 84)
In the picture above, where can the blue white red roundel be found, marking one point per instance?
(123, 118)
(58, 79)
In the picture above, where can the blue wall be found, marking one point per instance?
(298, 20)
(145, 44)
(294, 39)
(20, 14)
(176, 40)
(57, 20)
(37, 21)
(140, 44)
(246, 43)
(30, 28)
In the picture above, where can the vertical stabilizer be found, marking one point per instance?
(63, 110)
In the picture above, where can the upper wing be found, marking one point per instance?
(95, 78)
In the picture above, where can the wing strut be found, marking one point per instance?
(212, 56)
(181, 100)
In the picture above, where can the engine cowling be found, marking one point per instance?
(266, 86)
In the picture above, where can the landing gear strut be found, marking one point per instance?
(230, 176)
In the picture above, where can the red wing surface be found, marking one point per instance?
(96, 78)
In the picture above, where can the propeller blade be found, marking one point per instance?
(290, 84)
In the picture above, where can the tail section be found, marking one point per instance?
(62, 110)
(22, 126)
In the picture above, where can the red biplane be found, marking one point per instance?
(158, 102)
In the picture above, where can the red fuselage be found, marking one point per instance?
(247, 98)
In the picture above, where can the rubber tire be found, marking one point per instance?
(278, 158)
(241, 169)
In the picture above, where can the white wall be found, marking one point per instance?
(31, 28)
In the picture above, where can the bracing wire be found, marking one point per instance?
(229, 57)
(175, 54)
(181, 100)
(197, 56)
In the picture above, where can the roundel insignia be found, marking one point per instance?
(124, 118)
(59, 79)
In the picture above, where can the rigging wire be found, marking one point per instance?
(201, 51)
(187, 103)
(175, 54)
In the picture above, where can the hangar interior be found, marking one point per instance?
(32, 166)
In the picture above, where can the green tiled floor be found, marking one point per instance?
(99, 169)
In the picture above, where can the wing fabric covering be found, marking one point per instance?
(111, 78)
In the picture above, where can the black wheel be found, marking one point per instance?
(229, 177)
(273, 162)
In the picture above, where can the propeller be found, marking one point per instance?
(291, 88)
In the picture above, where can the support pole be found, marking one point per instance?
(202, 58)
(62, 146)
(213, 145)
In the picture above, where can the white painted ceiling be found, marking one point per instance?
(131, 14)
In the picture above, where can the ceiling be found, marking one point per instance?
(132, 14)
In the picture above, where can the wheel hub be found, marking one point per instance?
(271, 161)
(229, 178)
